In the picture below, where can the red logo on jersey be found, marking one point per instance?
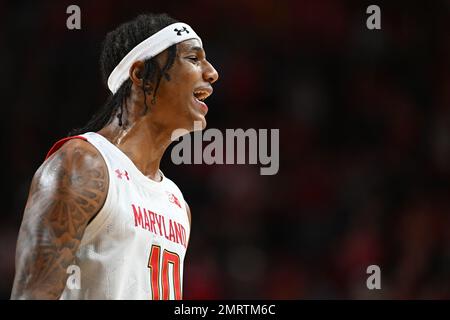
(173, 199)
(120, 174)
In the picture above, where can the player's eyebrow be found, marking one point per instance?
(196, 48)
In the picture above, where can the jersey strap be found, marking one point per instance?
(60, 143)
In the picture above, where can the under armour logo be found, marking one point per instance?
(173, 199)
(120, 174)
(180, 31)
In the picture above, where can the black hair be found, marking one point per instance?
(116, 45)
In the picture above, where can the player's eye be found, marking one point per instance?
(193, 58)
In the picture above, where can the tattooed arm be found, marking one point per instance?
(66, 193)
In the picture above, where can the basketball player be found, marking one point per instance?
(99, 207)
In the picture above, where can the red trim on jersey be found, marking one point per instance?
(60, 143)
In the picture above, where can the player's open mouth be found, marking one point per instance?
(200, 96)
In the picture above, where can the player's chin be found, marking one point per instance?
(199, 122)
(198, 118)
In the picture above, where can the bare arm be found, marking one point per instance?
(67, 191)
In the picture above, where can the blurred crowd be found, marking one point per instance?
(364, 119)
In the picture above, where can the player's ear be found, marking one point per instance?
(137, 75)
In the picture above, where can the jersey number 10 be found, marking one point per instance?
(159, 273)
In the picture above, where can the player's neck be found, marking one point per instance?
(144, 144)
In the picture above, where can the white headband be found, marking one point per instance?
(150, 47)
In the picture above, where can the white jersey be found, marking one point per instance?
(135, 246)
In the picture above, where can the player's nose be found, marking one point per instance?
(210, 74)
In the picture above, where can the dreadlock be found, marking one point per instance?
(116, 45)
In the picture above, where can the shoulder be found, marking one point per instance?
(169, 183)
(174, 188)
(75, 155)
(77, 172)
(77, 149)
